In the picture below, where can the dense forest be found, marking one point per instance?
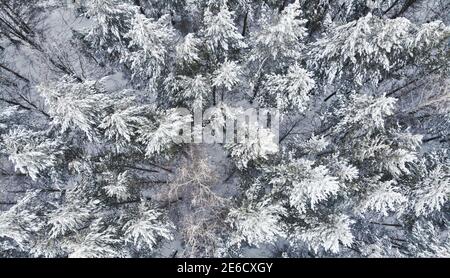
(128, 128)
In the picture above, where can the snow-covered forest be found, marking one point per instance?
(96, 158)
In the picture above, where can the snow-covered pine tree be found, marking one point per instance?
(110, 24)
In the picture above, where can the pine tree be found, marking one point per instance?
(30, 152)
(257, 224)
(280, 37)
(73, 104)
(111, 19)
(149, 43)
(292, 89)
(220, 33)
